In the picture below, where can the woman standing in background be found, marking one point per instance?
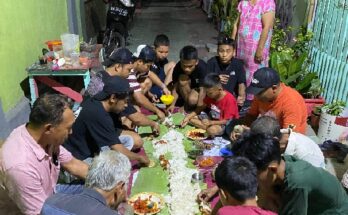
(253, 33)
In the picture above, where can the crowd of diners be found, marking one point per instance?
(276, 168)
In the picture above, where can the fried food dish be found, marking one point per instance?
(163, 162)
(145, 206)
(207, 162)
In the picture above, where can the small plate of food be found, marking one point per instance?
(146, 203)
(206, 161)
(197, 134)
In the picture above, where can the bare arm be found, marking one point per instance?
(201, 96)
(241, 94)
(176, 96)
(76, 167)
(235, 28)
(131, 155)
(218, 122)
(144, 102)
(140, 119)
(155, 79)
(267, 24)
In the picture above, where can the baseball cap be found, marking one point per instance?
(146, 53)
(114, 84)
(263, 79)
(119, 55)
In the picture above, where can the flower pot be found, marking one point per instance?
(311, 103)
(331, 127)
(314, 121)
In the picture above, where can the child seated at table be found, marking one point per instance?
(219, 103)
(237, 181)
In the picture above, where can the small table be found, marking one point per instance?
(41, 73)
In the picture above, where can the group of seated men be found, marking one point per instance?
(211, 94)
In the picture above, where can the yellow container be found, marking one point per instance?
(167, 99)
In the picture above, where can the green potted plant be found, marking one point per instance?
(328, 128)
(290, 59)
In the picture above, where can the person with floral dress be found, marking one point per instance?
(253, 32)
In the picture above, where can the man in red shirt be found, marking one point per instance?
(221, 104)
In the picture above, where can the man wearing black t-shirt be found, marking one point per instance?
(119, 63)
(187, 78)
(230, 69)
(96, 127)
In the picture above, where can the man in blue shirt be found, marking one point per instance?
(104, 190)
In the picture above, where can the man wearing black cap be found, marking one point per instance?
(141, 79)
(119, 63)
(230, 69)
(95, 129)
(276, 99)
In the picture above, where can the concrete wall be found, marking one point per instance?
(24, 27)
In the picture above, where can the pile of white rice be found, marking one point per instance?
(183, 194)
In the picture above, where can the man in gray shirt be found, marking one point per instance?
(104, 190)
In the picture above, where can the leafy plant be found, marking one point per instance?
(335, 108)
(290, 59)
(226, 11)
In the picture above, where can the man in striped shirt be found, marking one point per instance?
(141, 79)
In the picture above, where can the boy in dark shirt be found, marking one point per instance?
(162, 67)
(221, 104)
(236, 178)
(290, 185)
(187, 77)
(231, 71)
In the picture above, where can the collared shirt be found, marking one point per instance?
(89, 202)
(29, 173)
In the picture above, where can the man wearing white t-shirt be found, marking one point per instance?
(298, 145)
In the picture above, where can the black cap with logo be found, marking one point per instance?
(263, 79)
